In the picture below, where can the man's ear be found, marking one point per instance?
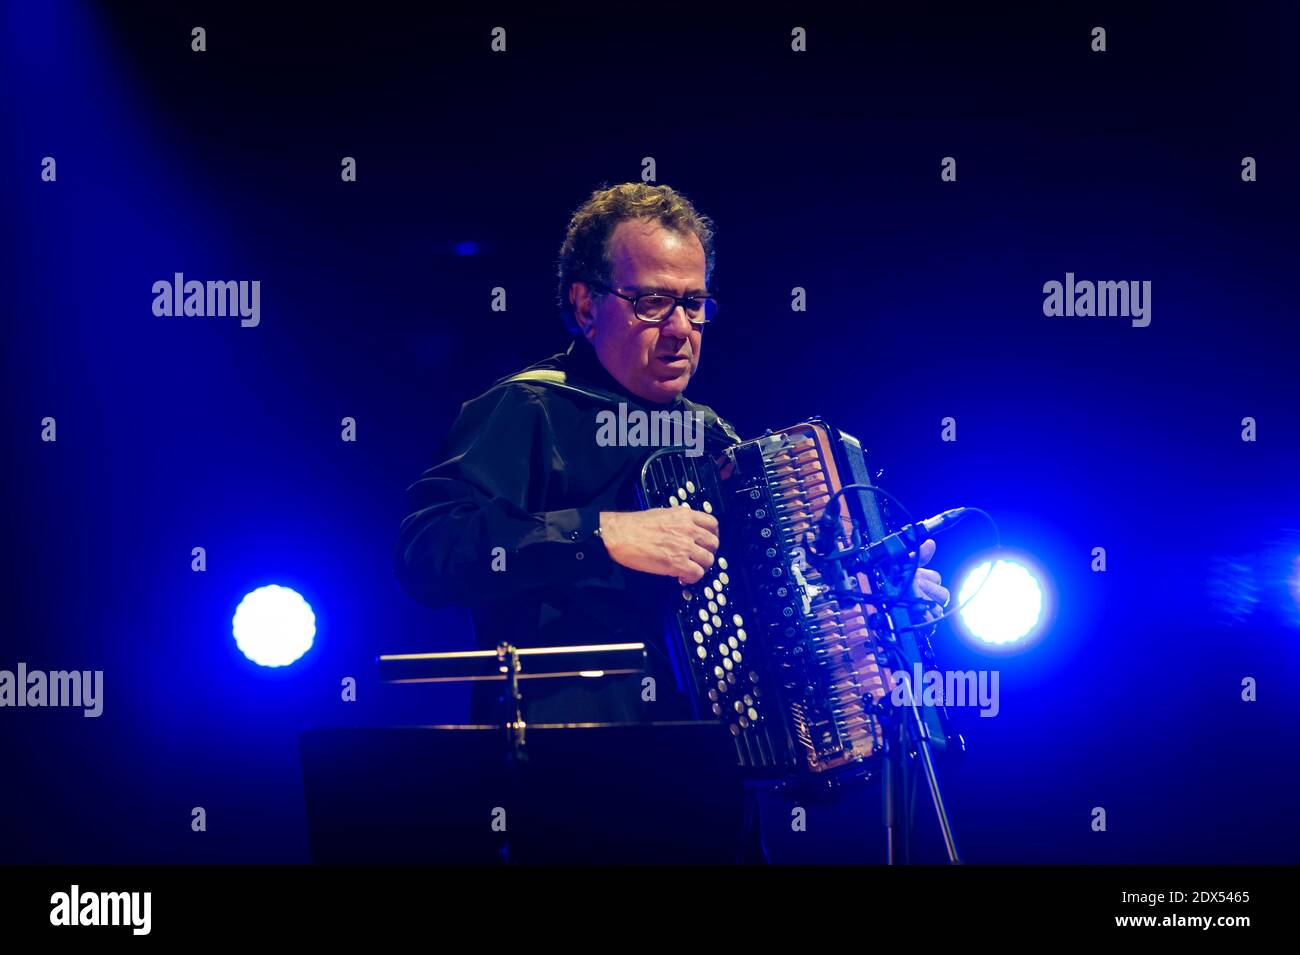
(584, 304)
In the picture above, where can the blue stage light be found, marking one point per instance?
(1009, 607)
(274, 626)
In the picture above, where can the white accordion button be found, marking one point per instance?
(722, 563)
(708, 508)
(690, 486)
(699, 637)
(702, 652)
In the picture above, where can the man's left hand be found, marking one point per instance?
(928, 584)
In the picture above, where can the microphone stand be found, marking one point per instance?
(902, 732)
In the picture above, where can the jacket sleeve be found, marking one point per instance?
(475, 532)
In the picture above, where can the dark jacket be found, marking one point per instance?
(522, 471)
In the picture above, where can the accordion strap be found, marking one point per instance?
(556, 378)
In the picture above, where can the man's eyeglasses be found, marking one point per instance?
(655, 307)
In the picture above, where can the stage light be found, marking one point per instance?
(1009, 607)
(274, 626)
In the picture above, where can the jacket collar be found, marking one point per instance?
(581, 363)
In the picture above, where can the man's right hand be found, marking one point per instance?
(671, 541)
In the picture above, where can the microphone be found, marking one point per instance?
(932, 525)
(899, 542)
(895, 546)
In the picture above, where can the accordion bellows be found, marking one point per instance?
(770, 651)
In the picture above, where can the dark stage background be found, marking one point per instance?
(822, 170)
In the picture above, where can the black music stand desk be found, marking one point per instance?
(598, 793)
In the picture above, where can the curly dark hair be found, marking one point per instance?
(584, 256)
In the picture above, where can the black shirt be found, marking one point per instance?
(522, 471)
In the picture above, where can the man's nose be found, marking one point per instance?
(677, 324)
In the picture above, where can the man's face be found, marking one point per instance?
(653, 361)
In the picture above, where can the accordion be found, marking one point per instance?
(762, 642)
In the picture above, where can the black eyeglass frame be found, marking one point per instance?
(703, 301)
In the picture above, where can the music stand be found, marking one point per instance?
(604, 793)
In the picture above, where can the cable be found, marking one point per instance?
(885, 600)
(907, 515)
(997, 547)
